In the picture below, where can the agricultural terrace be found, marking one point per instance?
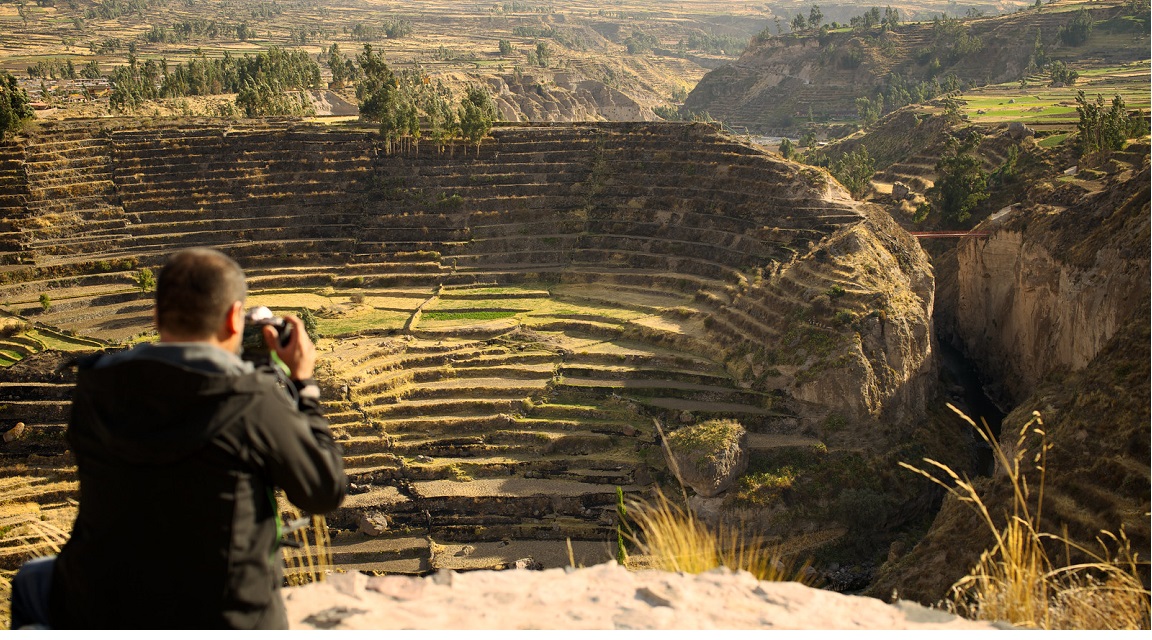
(1053, 109)
(501, 328)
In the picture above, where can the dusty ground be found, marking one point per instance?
(604, 596)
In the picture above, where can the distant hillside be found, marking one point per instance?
(779, 82)
(586, 64)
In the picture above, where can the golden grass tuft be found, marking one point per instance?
(312, 560)
(1016, 580)
(24, 534)
(673, 538)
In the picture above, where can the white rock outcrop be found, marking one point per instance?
(604, 596)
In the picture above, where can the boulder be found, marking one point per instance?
(528, 564)
(1019, 131)
(15, 433)
(708, 456)
(373, 524)
(900, 191)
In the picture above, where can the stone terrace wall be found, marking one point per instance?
(808, 295)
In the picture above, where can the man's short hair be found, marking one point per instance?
(195, 290)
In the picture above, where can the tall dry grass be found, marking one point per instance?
(1016, 580)
(311, 561)
(24, 534)
(673, 538)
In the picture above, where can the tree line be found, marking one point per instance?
(109, 9)
(392, 29)
(261, 78)
(15, 107)
(198, 29)
(407, 103)
(814, 22)
(63, 69)
(1104, 128)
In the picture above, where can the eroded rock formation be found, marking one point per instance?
(562, 97)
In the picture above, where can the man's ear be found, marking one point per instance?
(234, 320)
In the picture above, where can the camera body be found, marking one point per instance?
(252, 346)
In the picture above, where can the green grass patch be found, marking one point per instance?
(773, 472)
(1041, 104)
(61, 342)
(369, 320)
(457, 305)
(440, 316)
(1052, 141)
(493, 291)
(590, 311)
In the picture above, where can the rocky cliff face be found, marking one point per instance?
(1055, 304)
(1044, 315)
(890, 365)
(1028, 302)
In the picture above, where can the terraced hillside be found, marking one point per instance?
(500, 325)
(780, 84)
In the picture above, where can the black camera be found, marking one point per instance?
(252, 346)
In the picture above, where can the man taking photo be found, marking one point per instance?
(179, 446)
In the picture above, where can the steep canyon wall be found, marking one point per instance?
(1054, 307)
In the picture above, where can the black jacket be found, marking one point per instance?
(179, 448)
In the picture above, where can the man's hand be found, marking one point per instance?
(299, 355)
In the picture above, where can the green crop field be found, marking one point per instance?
(456, 316)
(1055, 107)
(54, 340)
(361, 321)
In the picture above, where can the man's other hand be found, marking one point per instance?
(299, 355)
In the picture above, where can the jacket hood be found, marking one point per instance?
(159, 403)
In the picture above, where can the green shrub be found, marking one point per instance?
(854, 170)
(708, 440)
